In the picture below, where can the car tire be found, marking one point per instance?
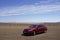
(45, 31)
(34, 33)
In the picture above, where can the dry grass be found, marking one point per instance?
(14, 32)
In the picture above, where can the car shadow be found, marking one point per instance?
(31, 35)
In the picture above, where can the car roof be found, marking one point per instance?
(37, 24)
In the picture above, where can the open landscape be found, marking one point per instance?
(16, 15)
(13, 31)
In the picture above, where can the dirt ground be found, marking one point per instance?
(14, 32)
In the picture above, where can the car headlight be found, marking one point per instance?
(30, 30)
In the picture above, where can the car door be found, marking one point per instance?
(40, 28)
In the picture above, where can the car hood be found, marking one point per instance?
(29, 29)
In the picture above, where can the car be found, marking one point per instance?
(35, 29)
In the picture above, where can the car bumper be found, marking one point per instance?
(29, 32)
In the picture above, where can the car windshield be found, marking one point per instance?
(40, 25)
(32, 26)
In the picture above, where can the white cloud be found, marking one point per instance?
(45, 2)
(28, 9)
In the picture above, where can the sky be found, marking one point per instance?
(29, 11)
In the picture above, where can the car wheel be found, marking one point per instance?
(45, 31)
(34, 33)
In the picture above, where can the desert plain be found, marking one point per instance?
(13, 31)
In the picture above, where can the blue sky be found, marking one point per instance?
(29, 10)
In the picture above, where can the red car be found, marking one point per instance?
(34, 29)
